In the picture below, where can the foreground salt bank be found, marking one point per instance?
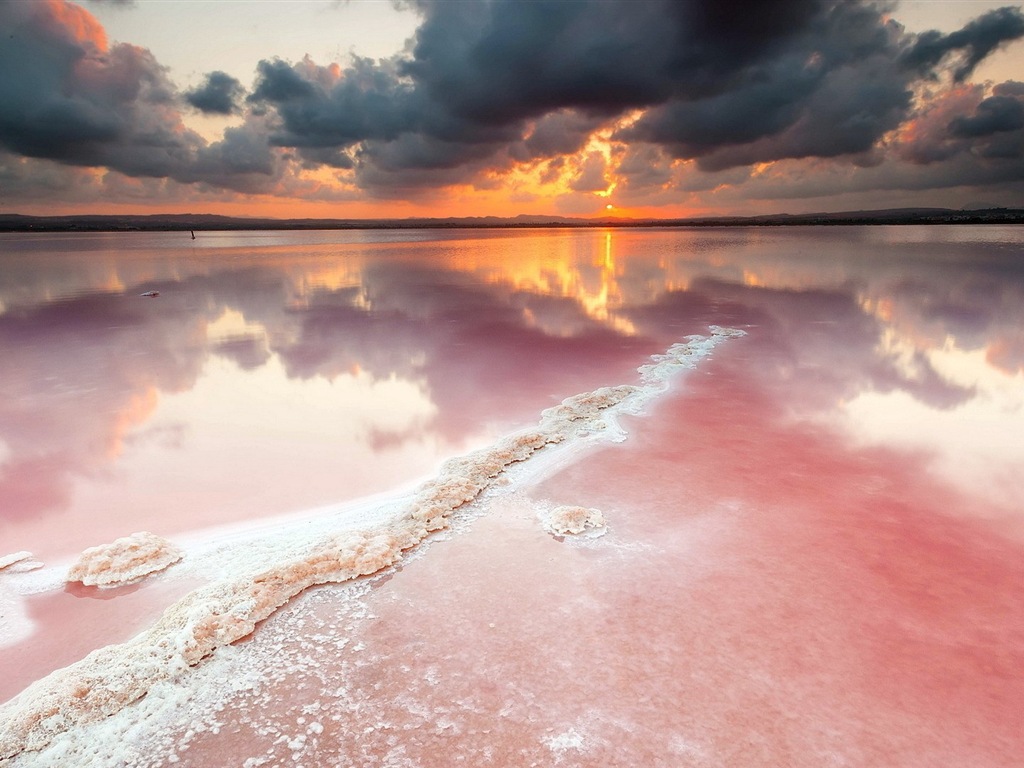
(211, 617)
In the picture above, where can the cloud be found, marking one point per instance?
(995, 114)
(590, 177)
(836, 89)
(325, 107)
(644, 166)
(501, 62)
(966, 126)
(487, 84)
(483, 88)
(219, 94)
(973, 42)
(66, 96)
(564, 132)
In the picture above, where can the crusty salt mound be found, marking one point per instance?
(215, 615)
(574, 520)
(589, 404)
(19, 561)
(124, 561)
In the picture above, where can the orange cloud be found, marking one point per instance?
(71, 22)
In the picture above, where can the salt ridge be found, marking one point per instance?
(215, 615)
(124, 561)
(7, 561)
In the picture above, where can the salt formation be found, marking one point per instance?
(124, 561)
(221, 613)
(215, 615)
(568, 519)
(24, 561)
(589, 404)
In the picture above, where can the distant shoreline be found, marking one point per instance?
(208, 222)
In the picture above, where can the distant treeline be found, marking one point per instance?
(207, 222)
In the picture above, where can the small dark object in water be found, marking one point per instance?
(193, 234)
(150, 294)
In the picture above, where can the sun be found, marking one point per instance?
(609, 207)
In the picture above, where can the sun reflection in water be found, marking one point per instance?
(584, 270)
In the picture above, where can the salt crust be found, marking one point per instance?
(573, 520)
(124, 561)
(20, 559)
(215, 615)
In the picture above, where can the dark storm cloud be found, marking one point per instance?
(975, 41)
(63, 97)
(730, 84)
(834, 90)
(278, 82)
(559, 133)
(994, 115)
(320, 109)
(370, 118)
(486, 84)
(504, 61)
(219, 94)
(66, 96)
(482, 86)
(970, 137)
(242, 152)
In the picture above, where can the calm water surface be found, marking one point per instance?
(279, 371)
(814, 552)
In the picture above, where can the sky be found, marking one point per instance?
(391, 109)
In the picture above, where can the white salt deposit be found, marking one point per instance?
(284, 563)
(562, 742)
(124, 561)
(19, 561)
(574, 520)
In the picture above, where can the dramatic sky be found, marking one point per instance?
(477, 107)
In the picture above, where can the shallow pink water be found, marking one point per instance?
(786, 580)
(765, 595)
(70, 623)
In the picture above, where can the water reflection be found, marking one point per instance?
(278, 371)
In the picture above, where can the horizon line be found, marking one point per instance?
(16, 222)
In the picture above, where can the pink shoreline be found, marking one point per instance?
(111, 678)
(765, 594)
(70, 622)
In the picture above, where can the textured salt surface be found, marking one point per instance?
(17, 557)
(124, 561)
(573, 520)
(221, 613)
(19, 561)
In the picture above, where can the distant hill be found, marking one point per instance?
(12, 222)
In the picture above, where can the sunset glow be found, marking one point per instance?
(373, 110)
(506, 383)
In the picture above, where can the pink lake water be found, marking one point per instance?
(813, 552)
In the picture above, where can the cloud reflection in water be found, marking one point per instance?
(276, 373)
